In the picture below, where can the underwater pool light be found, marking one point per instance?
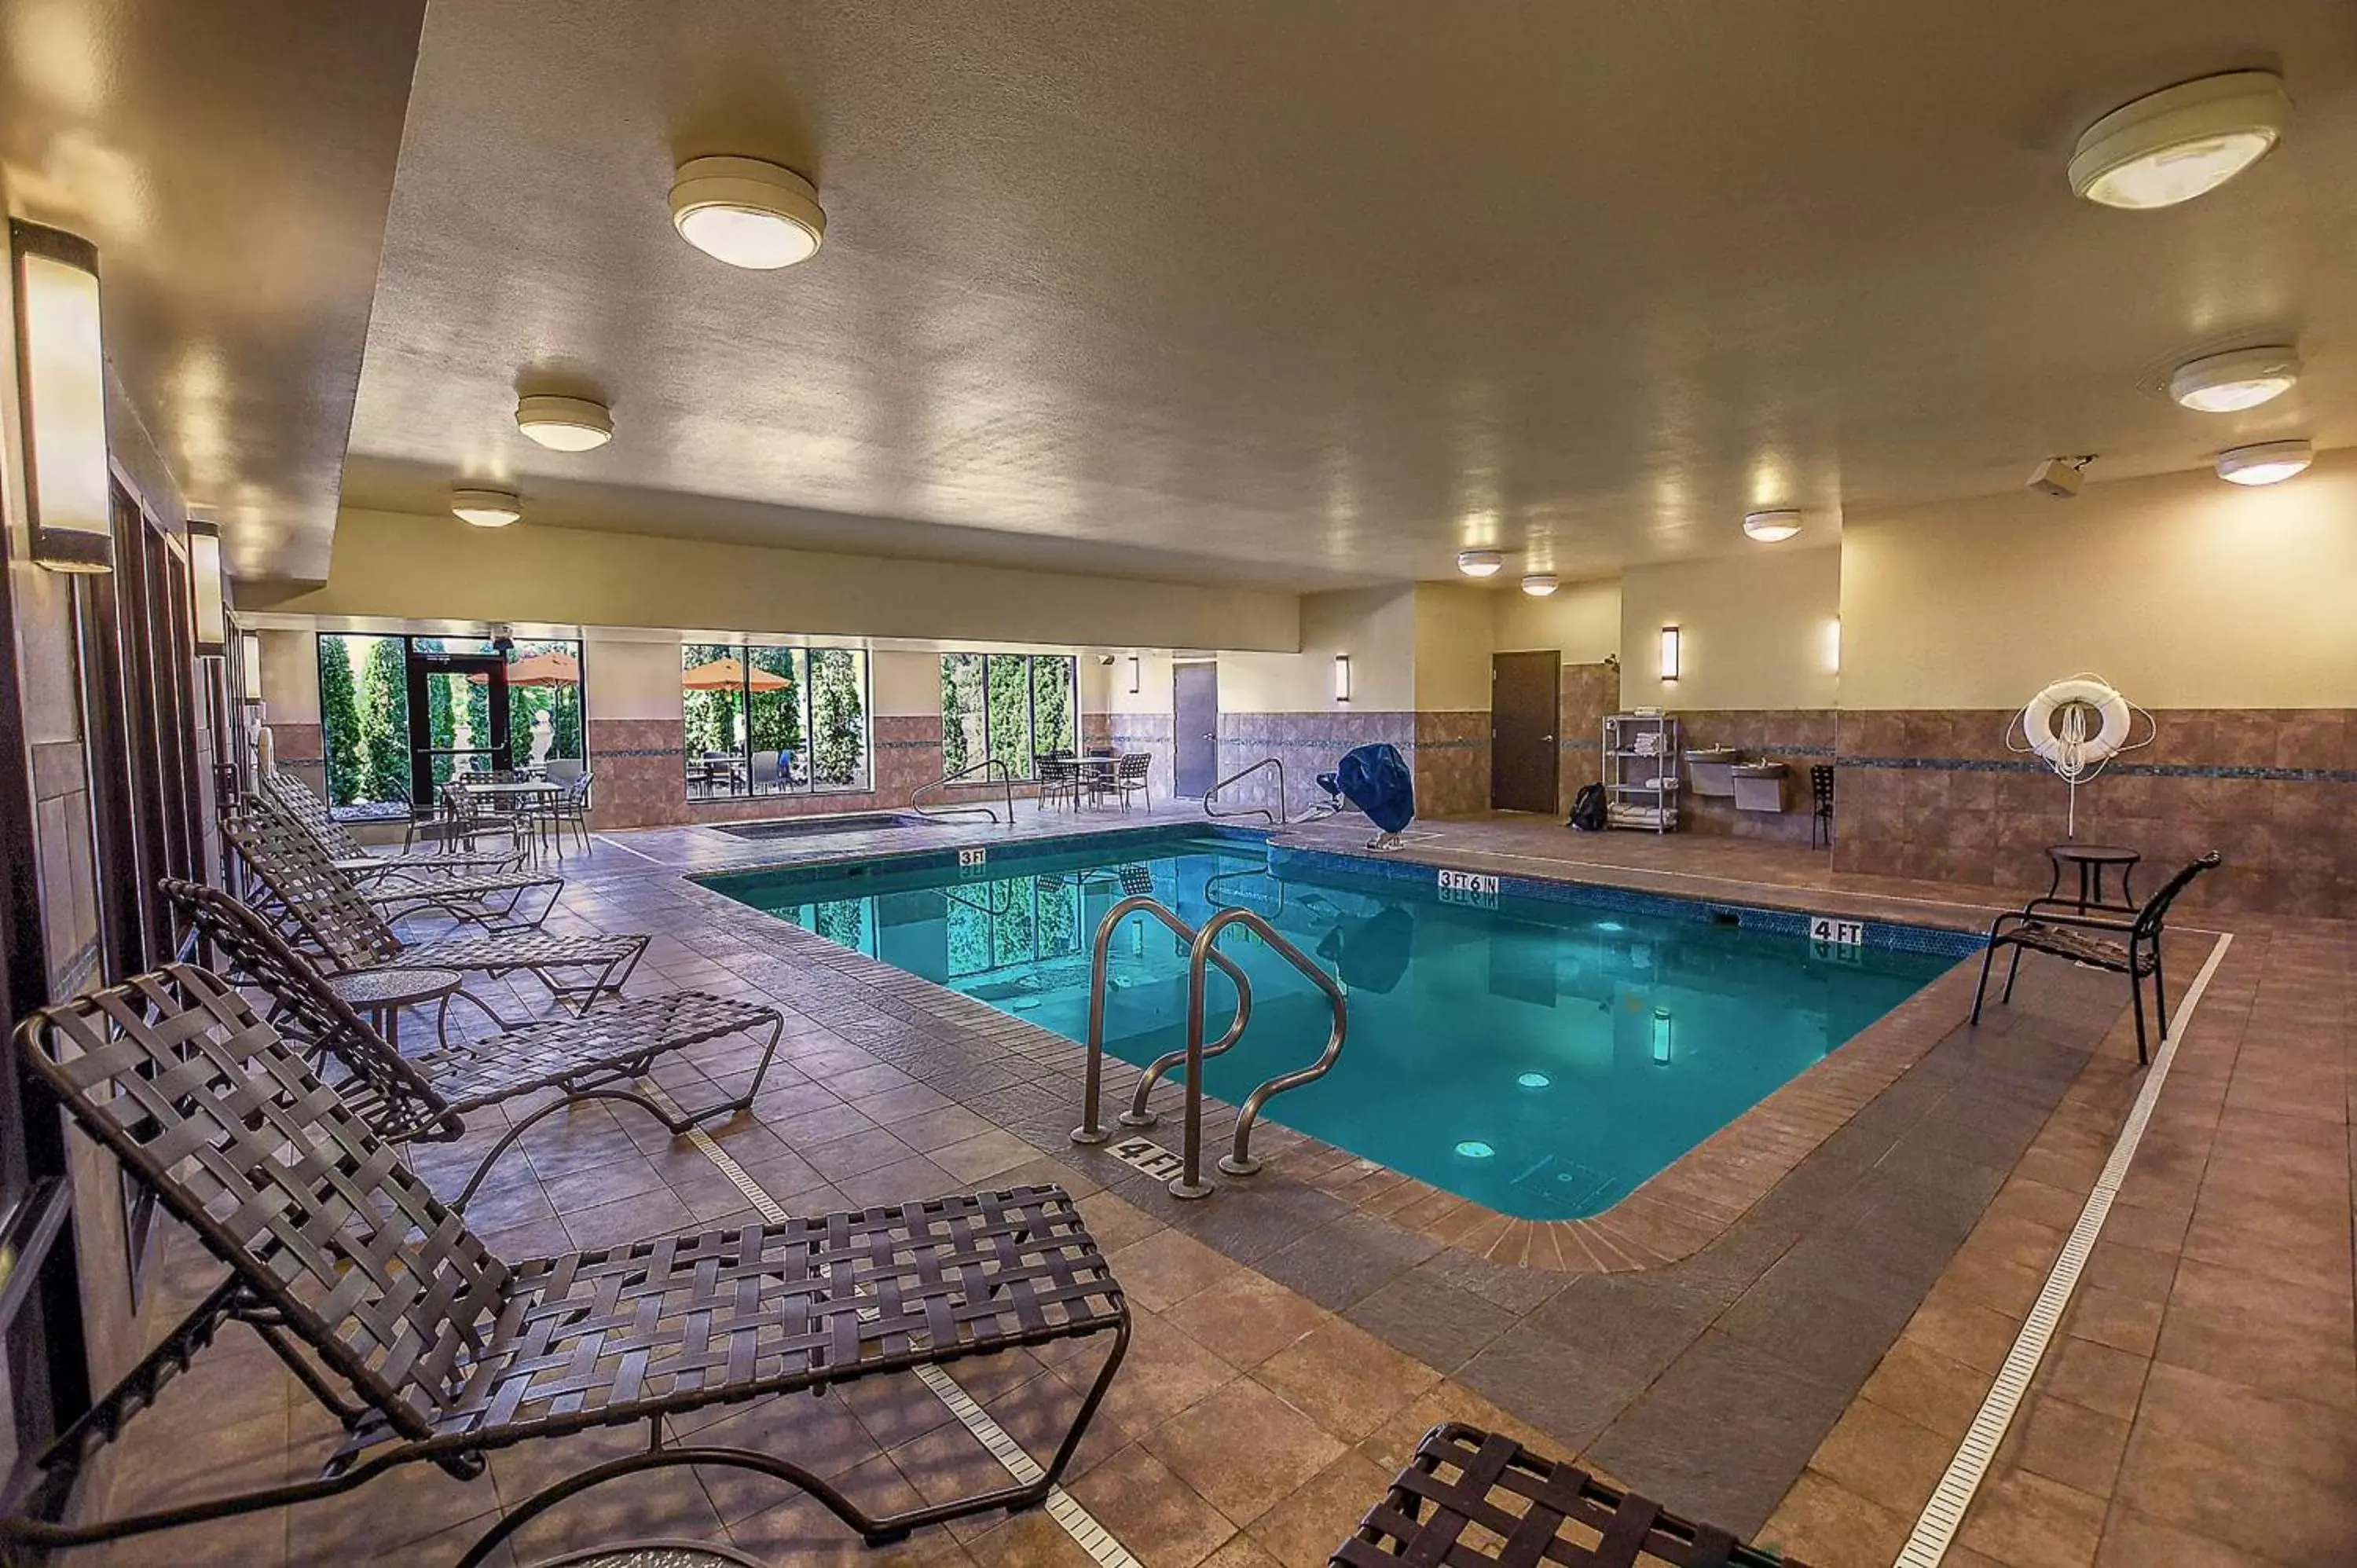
(1661, 1037)
(1475, 1149)
(1534, 1080)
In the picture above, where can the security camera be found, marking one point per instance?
(502, 640)
(2061, 476)
(1105, 659)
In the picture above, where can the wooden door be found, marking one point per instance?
(1195, 727)
(1523, 755)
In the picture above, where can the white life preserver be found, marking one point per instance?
(2070, 750)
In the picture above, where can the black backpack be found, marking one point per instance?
(1587, 809)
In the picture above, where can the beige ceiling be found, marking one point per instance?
(233, 164)
(1319, 292)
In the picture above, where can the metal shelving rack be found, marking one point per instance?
(1642, 771)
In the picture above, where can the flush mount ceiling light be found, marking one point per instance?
(486, 509)
(2244, 378)
(564, 424)
(2174, 145)
(2269, 463)
(747, 212)
(1479, 563)
(1539, 584)
(1769, 527)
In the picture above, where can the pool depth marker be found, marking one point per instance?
(1935, 1529)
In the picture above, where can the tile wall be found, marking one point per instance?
(1938, 794)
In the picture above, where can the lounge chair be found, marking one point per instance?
(1470, 1496)
(2132, 946)
(426, 1346)
(425, 1098)
(353, 857)
(498, 901)
(344, 930)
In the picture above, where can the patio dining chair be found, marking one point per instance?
(1059, 779)
(425, 1098)
(1131, 776)
(349, 933)
(426, 1346)
(2129, 947)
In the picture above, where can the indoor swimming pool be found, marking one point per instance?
(1541, 1049)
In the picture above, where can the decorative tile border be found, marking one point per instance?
(2133, 769)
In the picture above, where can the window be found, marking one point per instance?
(371, 737)
(1007, 707)
(772, 720)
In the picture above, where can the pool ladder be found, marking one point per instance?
(1203, 951)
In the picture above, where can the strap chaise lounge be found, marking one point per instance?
(341, 927)
(425, 1098)
(428, 1347)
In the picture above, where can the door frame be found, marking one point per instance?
(1554, 766)
(422, 665)
(1178, 781)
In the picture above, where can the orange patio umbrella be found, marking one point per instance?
(728, 675)
(550, 666)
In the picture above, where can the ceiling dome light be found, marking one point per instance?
(1479, 563)
(486, 509)
(2174, 145)
(1539, 584)
(1769, 527)
(564, 424)
(2229, 382)
(747, 213)
(2269, 463)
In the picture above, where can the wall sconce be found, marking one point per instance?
(1833, 645)
(211, 614)
(1137, 675)
(61, 384)
(1669, 653)
(249, 648)
(1661, 1037)
(1341, 677)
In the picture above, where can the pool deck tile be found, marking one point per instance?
(1781, 1338)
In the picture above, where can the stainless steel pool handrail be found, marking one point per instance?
(1092, 1086)
(917, 796)
(1275, 817)
(1240, 1162)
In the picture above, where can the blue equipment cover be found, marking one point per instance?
(1376, 779)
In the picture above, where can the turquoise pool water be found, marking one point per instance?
(1540, 1056)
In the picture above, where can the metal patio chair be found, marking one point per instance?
(342, 928)
(1130, 778)
(425, 1098)
(497, 902)
(2132, 946)
(1469, 1496)
(355, 858)
(427, 1345)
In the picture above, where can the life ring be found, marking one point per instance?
(2070, 750)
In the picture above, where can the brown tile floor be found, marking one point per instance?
(1808, 1374)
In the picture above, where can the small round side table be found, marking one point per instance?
(2093, 861)
(381, 994)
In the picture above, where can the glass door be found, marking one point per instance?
(457, 718)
